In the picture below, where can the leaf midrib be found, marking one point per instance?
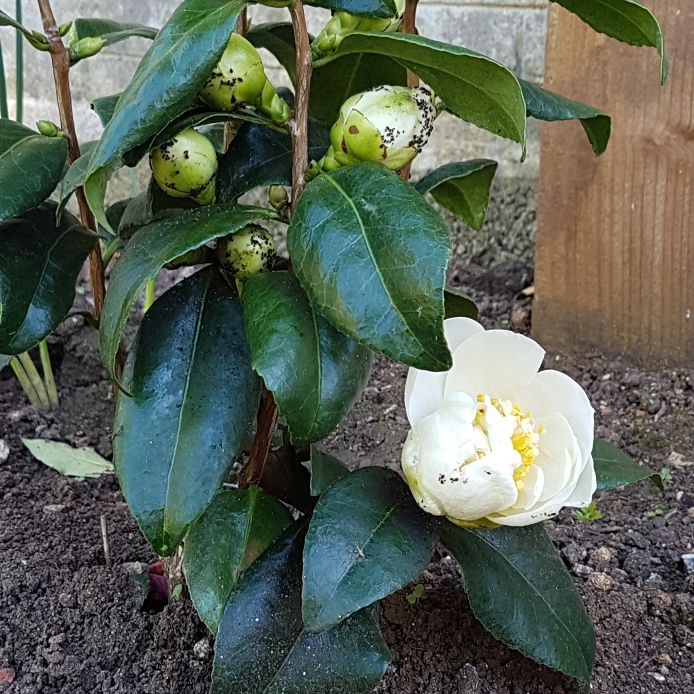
(538, 593)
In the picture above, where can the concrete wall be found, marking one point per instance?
(510, 31)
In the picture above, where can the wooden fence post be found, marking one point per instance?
(615, 239)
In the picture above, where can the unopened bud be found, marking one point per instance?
(64, 28)
(186, 167)
(278, 198)
(247, 252)
(87, 47)
(239, 79)
(390, 125)
(49, 129)
(38, 41)
(342, 24)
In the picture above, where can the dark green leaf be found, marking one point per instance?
(234, 531)
(262, 647)
(463, 188)
(519, 589)
(30, 167)
(314, 372)
(259, 156)
(371, 254)
(278, 38)
(151, 248)
(194, 397)
(115, 213)
(332, 84)
(624, 20)
(39, 265)
(459, 305)
(616, 469)
(472, 86)
(366, 8)
(367, 539)
(109, 31)
(167, 80)
(548, 106)
(324, 469)
(4, 361)
(104, 107)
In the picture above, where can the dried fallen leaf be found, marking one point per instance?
(72, 462)
(677, 459)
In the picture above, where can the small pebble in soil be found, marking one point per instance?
(202, 649)
(688, 563)
(599, 581)
(4, 451)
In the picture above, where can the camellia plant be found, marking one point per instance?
(254, 358)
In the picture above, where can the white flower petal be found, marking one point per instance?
(410, 462)
(556, 454)
(498, 363)
(582, 495)
(552, 391)
(424, 389)
(532, 488)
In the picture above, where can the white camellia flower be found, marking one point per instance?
(494, 440)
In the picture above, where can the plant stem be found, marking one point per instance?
(408, 27)
(268, 412)
(4, 111)
(24, 381)
(61, 74)
(149, 294)
(299, 123)
(19, 83)
(34, 378)
(48, 374)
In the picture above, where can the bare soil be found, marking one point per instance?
(70, 625)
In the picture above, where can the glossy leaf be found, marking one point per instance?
(236, 528)
(262, 647)
(367, 538)
(332, 84)
(371, 254)
(624, 20)
(314, 371)
(259, 156)
(325, 469)
(110, 32)
(278, 38)
(30, 167)
(167, 80)
(193, 397)
(548, 106)
(68, 461)
(39, 266)
(150, 249)
(520, 590)
(616, 469)
(104, 107)
(472, 86)
(463, 188)
(75, 175)
(459, 305)
(366, 8)
(5, 361)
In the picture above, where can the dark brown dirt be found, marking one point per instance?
(70, 625)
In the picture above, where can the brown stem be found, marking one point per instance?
(299, 123)
(268, 412)
(408, 27)
(61, 75)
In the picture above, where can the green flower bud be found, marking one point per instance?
(247, 252)
(87, 47)
(186, 167)
(38, 41)
(49, 129)
(278, 198)
(387, 124)
(240, 78)
(64, 28)
(342, 24)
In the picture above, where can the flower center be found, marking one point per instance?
(524, 436)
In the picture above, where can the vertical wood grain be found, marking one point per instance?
(615, 241)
